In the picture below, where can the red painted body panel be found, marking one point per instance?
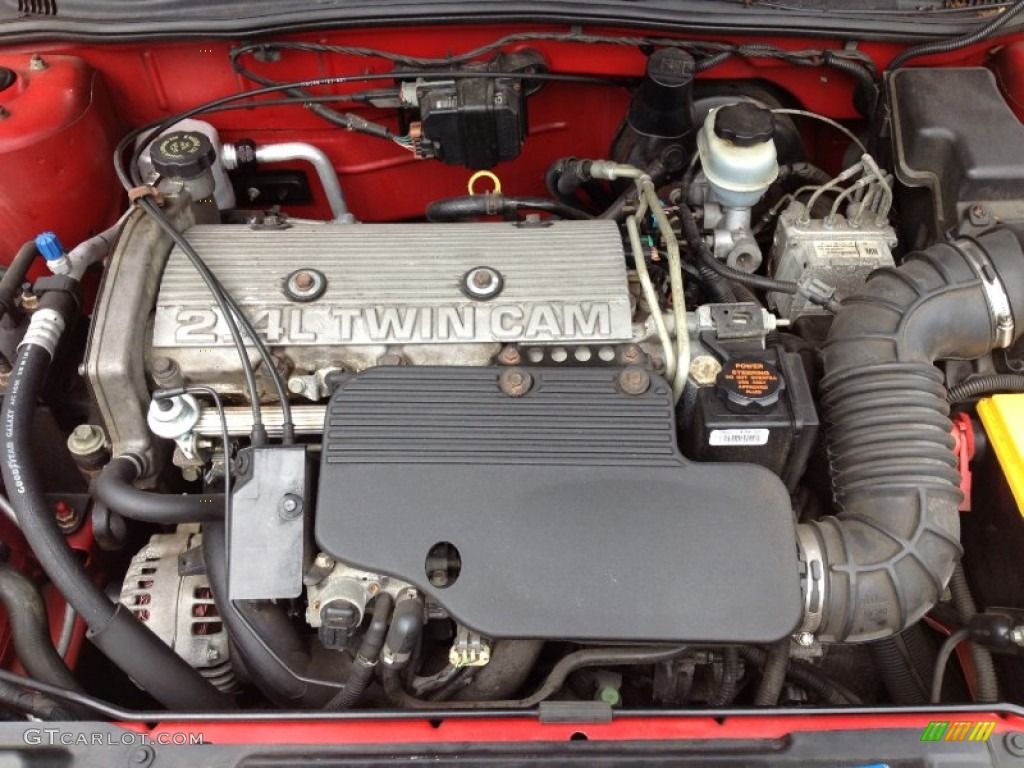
(56, 173)
(62, 127)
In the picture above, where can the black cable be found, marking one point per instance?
(259, 432)
(987, 384)
(943, 660)
(956, 43)
(986, 683)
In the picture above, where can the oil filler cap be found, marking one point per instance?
(182, 154)
(744, 124)
(749, 385)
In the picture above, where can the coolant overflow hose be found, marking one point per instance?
(881, 563)
(112, 629)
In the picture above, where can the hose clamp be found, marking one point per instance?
(44, 330)
(814, 578)
(995, 293)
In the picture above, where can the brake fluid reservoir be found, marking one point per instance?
(737, 151)
(57, 137)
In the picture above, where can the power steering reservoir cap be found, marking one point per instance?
(182, 154)
(749, 385)
(744, 124)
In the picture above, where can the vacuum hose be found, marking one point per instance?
(882, 563)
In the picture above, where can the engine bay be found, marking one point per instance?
(474, 368)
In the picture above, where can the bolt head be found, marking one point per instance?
(290, 507)
(163, 366)
(634, 380)
(515, 382)
(805, 639)
(510, 356)
(482, 283)
(631, 354)
(323, 560)
(296, 385)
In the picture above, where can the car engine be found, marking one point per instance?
(687, 418)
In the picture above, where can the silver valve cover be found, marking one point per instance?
(329, 296)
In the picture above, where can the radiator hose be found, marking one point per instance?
(112, 629)
(884, 560)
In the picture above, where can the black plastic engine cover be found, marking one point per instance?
(573, 511)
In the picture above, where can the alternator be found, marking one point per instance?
(172, 596)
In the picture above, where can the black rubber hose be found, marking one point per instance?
(812, 174)
(473, 206)
(807, 677)
(249, 621)
(114, 488)
(366, 659)
(14, 276)
(551, 179)
(30, 629)
(905, 663)
(880, 564)
(112, 629)
(986, 683)
(773, 675)
(946, 46)
(987, 384)
(14, 699)
(726, 691)
(588, 657)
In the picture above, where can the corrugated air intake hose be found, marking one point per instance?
(884, 560)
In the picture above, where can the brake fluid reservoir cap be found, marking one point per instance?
(749, 385)
(745, 124)
(182, 154)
